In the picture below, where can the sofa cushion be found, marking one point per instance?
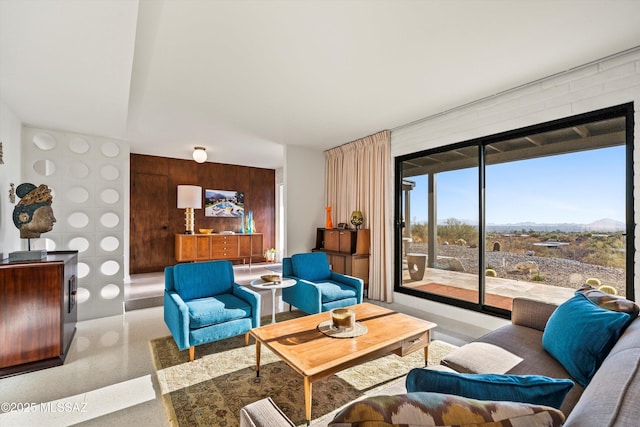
(334, 291)
(536, 389)
(610, 302)
(481, 358)
(579, 334)
(434, 409)
(203, 279)
(219, 309)
(312, 266)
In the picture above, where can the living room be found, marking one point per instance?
(605, 75)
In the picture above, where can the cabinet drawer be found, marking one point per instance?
(414, 343)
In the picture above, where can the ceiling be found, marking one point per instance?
(246, 78)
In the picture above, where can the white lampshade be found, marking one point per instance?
(199, 154)
(189, 196)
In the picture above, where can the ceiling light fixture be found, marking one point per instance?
(199, 154)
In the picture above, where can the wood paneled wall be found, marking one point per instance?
(155, 219)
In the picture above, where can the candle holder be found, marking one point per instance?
(343, 319)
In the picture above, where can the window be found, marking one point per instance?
(535, 212)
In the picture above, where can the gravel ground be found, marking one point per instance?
(554, 271)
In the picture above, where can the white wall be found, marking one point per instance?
(10, 171)
(612, 81)
(88, 176)
(304, 197)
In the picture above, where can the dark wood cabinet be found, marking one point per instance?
(38, 312)
(347, 251)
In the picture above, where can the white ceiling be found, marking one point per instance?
(246, 78)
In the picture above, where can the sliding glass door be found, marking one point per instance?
(537, 212)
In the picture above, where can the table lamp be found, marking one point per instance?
(189, 198)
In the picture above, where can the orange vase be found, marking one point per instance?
(329, 224)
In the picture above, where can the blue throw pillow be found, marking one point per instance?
(534, 389)
(579, 335)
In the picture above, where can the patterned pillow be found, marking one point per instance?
(610, 302)
(436, 409)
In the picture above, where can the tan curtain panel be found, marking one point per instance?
(358, 178)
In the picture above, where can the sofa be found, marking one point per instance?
(610, 398)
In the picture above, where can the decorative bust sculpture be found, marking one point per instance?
(33, 214)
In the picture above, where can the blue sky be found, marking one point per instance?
(572, 188)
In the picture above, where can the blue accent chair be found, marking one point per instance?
(202, 303)
(318, 288)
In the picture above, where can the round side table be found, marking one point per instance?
(261, 284)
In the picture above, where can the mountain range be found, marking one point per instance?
(602, 225)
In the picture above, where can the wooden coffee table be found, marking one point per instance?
(314, 355)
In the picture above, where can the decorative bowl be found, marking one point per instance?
(270, 277)
(205, 230)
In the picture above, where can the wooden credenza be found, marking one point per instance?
(347, 251)
(38, 312)
(206, 247)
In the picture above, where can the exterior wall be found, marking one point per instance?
(10, 170)
(612, 81)
(88, 177)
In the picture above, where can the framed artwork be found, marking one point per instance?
(223, 203)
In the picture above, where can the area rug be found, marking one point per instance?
(466, 295)
(211, 390)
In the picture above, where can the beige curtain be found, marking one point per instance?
(358, 178)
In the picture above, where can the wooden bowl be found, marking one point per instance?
(270, 277)
(205, 230)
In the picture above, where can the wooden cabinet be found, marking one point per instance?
(205, 247)
(347, 251)
(38, 312)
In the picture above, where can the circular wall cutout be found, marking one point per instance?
(44, 141)
(109, 220)
(109, 291)
(109, 268)
(110, 149)
(78, 194)
(44, 167)
(109, 243)
(79, 170)
(110, 196)
(83, 269)
(79, 145)
(78, 220)
(79, 244)
(83, 295)
(110, 172)
(49, 244)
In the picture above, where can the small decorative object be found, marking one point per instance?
(250, 223)
(32, 216)
(357, 219)
(205, 230)
(343, 319)
(329, 224)
(270, 278)
(270, 254)
(12, 193)
(1, 155)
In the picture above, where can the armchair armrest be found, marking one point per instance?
(304, 295)
(354, 282)
(176, 317)
(253, 298)
(531, 313)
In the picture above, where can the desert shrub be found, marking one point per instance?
(537, 278)
(491, 272)
(454, 230)
(420, 232)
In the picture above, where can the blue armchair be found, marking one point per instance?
(202, 303)
(318, 289)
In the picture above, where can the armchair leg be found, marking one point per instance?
(246, 339)
(192, 353)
